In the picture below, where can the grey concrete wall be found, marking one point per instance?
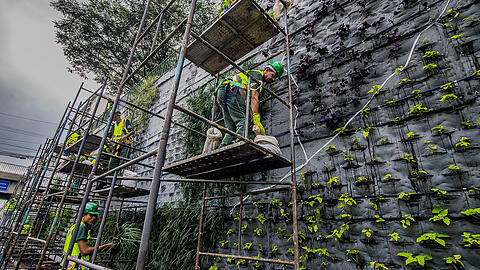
(334, 84)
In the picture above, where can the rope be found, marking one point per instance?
(355, 115)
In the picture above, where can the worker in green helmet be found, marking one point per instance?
(81, 249)
(8, 210)
(231, 95)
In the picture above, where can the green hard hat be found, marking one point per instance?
(117, 111)
(277, 66)
(91, 208)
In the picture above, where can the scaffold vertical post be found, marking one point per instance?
(292, 145)
(162, 146)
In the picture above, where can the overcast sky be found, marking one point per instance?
(34, 82)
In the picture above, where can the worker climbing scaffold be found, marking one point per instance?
(81, 249)
(231, 95)
(8, 210)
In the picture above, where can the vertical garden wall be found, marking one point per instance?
(398, 187)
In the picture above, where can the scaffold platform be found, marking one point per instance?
(240, 30)
(91, 144)
(232, 160)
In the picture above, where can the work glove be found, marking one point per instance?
(256, 121)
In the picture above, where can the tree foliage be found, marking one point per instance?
(97, 35)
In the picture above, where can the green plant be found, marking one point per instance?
(284, 214)
(275, 249)
(430, 147)
(420, 259)
(242, 262)
(223, 243)
(247, 246)
(424, 41)
(345, 216)
(448, 98)
(368, 232)
(404, 81)
(345, 199)
(439, 129)
(276, 203)
(213, 267)
(331, 149)
(361, 179)
(408, 158)
(144, 95)
(437, 237)
(429, 54)
(333, 180)
(376, 265)
(457, 36)
(412, 135)
(446, 86)
(405, 196)
(348, 159)
(313, 199)
(258, 231)
(261, 218)
(244, 227)
(379, 219)
(471, 240)
(337, 234)
(373, 205)
(394, 236)
(440, 193)
(374, 89)
(301, 237)
(472, 212)
(365, 112)
(430, 67)
(366, 131)
(387, 177)
(467, 124)
(476, 73)
(280, 231)
(416, 93)
(440, 214)
(453, 260)
(419, 173)
(353, 254)
(418, 109)
(406, 221)
(230, 231)
(384, 140)
(463, 143)
(290, 251)
(454, 169)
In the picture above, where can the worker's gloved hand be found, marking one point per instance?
(256, 121)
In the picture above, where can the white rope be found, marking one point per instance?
(353, 117)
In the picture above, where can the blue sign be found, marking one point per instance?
(4, 185)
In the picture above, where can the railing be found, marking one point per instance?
(13, 168)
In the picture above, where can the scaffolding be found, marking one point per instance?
(53, 184)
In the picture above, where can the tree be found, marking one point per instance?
(97, 35)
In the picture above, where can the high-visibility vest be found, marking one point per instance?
(10, 205)
(120, 130)
(25, 229)
(73, 139)
(76, 249)
(241, 81)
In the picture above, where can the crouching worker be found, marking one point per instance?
(81, 249)
(231, 95)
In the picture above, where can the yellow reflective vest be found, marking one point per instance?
(241, 80)
(73, 139)
(120, 129)
(76, 249)
(10, 205)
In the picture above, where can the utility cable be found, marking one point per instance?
(357, 113)
(26, 118)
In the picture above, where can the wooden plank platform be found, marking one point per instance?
(123, 191)
(92, 144)
(81, 169)
(240, 30)
(232, 160)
